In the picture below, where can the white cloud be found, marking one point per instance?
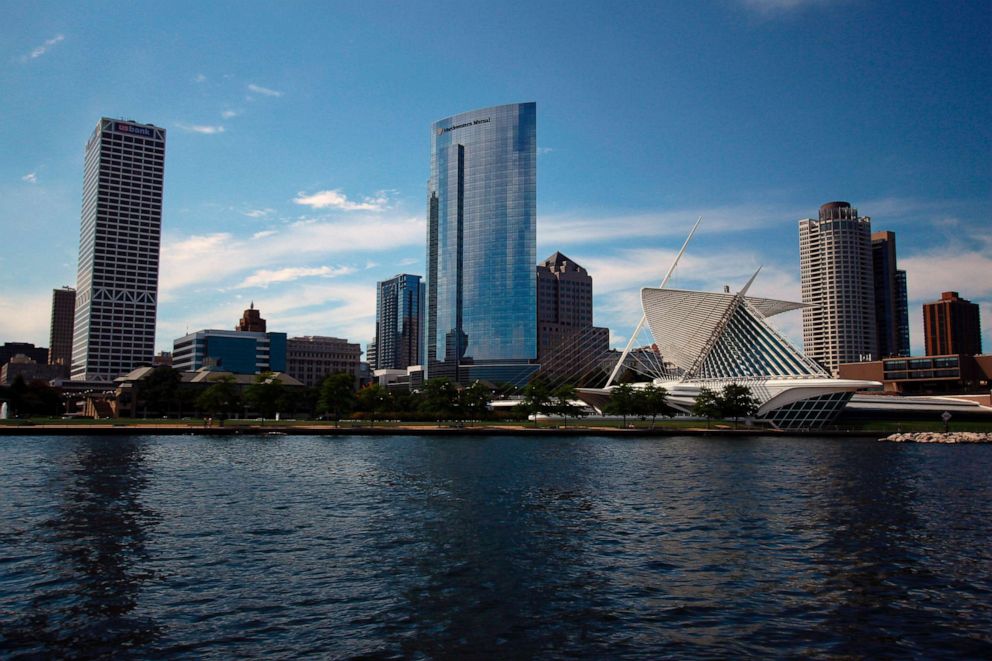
(263, 234)
(200, 78)
(950, 268)
(228, 114)
(335, 199)
(775, 7)
(544, 150)
(574, 228)
(212, 260)
(265, 277)
(258, 213)
(258, 89)
(41, 50)
(30, 177)
(25, 316)
(201, 128)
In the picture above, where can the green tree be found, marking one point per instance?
(373, 399)
(622, 402)
(652, 400)
(265, 395)
(707, 405)
(536, 399)
(220, 397)
(439, 398)
(159, 390)
(737, 401)
(337, 396)
(562, 402)
(473, 401)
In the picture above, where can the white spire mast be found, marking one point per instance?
(640, 324)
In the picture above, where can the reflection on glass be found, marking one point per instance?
(481, 247)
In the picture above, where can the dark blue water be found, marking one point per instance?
(283, 547)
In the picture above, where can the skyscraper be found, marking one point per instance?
(120, 233)
(482, 246)
(838, 286)
(399, 312)
(891, 305)
(952, 326)
(60, 340)
(569, 347)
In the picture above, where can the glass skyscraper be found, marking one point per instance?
(120, 234)
(399, 312)
(482, 246)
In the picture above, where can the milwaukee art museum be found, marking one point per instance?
(707, 340)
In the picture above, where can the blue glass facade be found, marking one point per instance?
(482, 245)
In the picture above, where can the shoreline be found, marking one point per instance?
(128, 429)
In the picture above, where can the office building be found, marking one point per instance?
(891, 305)
(399, 313)
(569, 347)
(952, 326)
(11, 349)
(837, 280)
(60, 338)
(310, 359)
(926, 375)
(28, 369)
(481, 246)
(241, 352)
(120, 234)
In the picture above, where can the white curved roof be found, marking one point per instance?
(722, 335)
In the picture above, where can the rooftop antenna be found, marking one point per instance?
(640, 324)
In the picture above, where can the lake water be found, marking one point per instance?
(424, 547)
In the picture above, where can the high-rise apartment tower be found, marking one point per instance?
(952, 326)
(60, 340)
(399, 312)
(482, 246)
(891, 305)
(837, 286)
(120, 233)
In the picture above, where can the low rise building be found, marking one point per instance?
(239, 352)
(925, 375)
(28, 369)
(311, 358)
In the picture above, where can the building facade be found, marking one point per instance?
(311, 358)
(481, 246)
(120, 235)
(837, 277)
(241, 352)
(399, 313)
(251, 320)
(891, 298)
(9, 350)
(952, 326)
(925, 375)
(568, 345)
(60, 337)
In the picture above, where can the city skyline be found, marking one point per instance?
(299, 185)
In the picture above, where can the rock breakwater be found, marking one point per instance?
(940, 437)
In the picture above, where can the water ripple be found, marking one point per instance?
(423, 548)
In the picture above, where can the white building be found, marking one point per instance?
(708, 340)
(120, 232)
(838, 287)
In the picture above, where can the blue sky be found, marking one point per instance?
(298, 138)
